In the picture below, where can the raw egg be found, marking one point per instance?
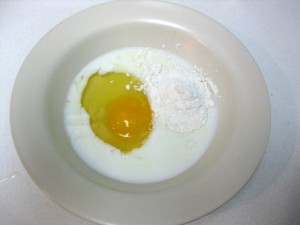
(119, 110)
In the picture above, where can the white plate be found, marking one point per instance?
(42, 84)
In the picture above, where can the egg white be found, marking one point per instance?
(165, 153)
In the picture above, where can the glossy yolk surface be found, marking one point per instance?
(119, 110)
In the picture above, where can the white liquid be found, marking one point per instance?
(165, 154)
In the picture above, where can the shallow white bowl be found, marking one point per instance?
(40, 91)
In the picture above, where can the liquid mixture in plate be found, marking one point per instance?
(140, 115)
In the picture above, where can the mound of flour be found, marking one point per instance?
(180, 99)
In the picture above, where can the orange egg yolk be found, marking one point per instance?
(119, 110)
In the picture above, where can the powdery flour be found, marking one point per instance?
(180, 98)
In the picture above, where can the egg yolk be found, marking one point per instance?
(119, 110)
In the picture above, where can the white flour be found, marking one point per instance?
(180, 98)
